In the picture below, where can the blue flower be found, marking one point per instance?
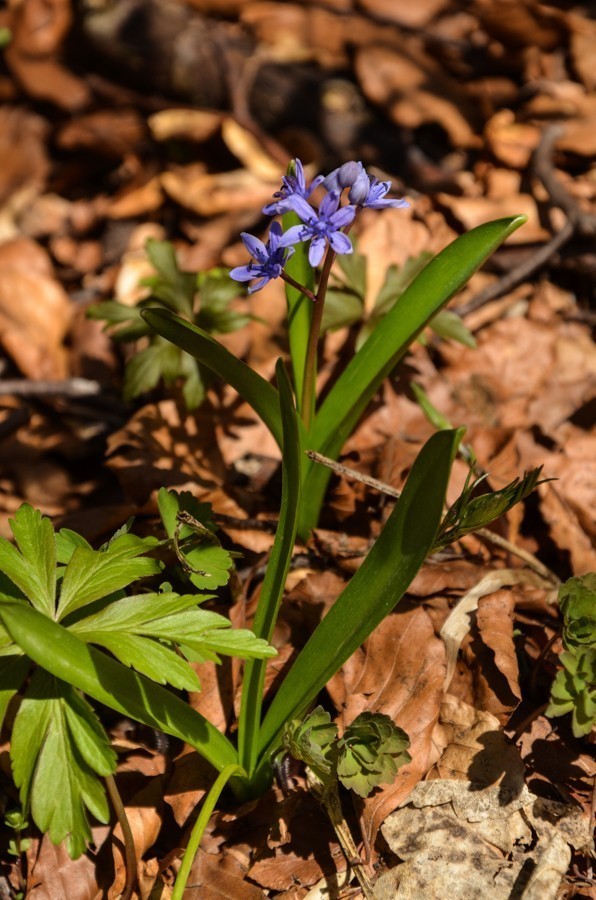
(344, 176)
(370, 192)
(321, 227)
(270, 258)
(291, 186)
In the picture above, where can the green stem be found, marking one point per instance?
(299, 287)
(310, 362)
(199, 827)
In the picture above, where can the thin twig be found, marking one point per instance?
(67, 387)
(485, 533)
(130, 856)
(578, 222)
(353, 474)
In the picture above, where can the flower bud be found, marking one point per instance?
(360, 188)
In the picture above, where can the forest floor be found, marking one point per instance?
(175, 119)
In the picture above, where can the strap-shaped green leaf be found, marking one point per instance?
(255, 390)
(374, 590)
(444, 275)
(62, 654)
(277, 570)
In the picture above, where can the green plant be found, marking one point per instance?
(574, 688)
(62, 604)
(60, 601)
(202, 299)
(400, 317)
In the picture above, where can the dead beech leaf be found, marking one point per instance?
(511, 142)
(582, 43)
(249, 150)
(34, 311)
(23, 158)
(220, 877)
(458, 623)
(415, 91)
(53, 875)
(399, 672)
(190, 779)
(144, 812)
(494, 620)
(473, 211)
(415, 15)
(186, 124)
(109, 132)
(223, 192)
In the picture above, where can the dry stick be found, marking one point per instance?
(130, 855)
(577, 221)
(485, 533)
(67, 387)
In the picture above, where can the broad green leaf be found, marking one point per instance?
(354, 267)
(92, 574)
(350, 395)
(172, 286)
(147, 366)
(33, 569)
(233, 642)
(342, 308)
(254, 389)
(67, 542)
(206, 562)
(371, 750)
(13, 671)
(141, 610)
(58, 748)
(276, 574)
(152, 659)
(450, 326)
(374, 590)
(67, 657)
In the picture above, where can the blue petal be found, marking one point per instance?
(259, 284)
(316, 250)
(275, 233)
(294, 235)
(243, 273)
(302, 208)
(255, 247)
(342, 217)
(329, 204)
(314, 184)
(340, 242)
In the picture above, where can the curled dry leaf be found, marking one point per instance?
(34, 311)
(53, 875)
(144, 812)
(212, 194)
(399, 672)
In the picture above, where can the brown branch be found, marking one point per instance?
(578, 222)
(130, 855)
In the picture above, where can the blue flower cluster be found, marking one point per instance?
(320, 227)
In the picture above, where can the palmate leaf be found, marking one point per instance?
(313, 741)
(370, 752)
(58, 748)
(207, 564)
(31, 567)
(93, 574)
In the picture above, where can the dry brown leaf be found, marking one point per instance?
(475, 747)
(415, 91)
(494, 620)
(196, 125)
(190, 779)
(34, 311)
(144, 812)
(414, 15)
(23, 162)
(474, 211)
(109, 132)
(220, 877)
(399, 672)
(210, 195)
(250, 151)
(53, 875)
(511, 142)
